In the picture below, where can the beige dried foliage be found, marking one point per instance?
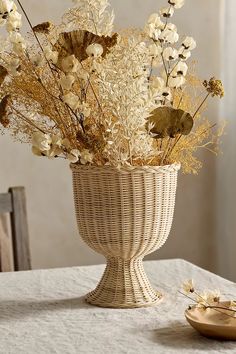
(110, 97)
(204, 135)
(37, 91)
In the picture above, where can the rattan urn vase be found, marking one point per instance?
(124, 214)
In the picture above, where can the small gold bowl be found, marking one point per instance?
(213, 323)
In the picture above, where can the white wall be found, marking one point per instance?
(226, 164)
(54, 238)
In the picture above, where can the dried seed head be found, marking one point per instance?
(44, 27)
(215, 87)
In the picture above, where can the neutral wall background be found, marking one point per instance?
(226, 165)
(54, 237)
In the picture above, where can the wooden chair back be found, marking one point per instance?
(14, 243)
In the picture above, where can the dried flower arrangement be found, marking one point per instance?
(83, 92)
(208, 300)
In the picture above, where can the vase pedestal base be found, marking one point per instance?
(124, 285)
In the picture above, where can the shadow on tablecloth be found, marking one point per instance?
(19, 309)
(179, 335)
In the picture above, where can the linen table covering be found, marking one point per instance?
(43, 312)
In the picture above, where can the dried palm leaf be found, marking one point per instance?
(76, 42)
(169, 122)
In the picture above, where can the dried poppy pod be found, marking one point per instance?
(169, 122)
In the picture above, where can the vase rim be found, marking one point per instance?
(161, 169)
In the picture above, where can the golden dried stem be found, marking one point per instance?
(23, 117)
(198, 109)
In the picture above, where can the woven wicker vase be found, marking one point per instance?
(124, 215)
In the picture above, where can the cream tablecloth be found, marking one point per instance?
(43, 312)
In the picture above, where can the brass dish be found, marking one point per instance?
(211, 323)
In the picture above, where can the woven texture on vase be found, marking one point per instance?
(124, 214)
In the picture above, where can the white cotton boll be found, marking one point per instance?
(36, 151)
(71, 100)
(96, 67)
(166, 94)
(53, 152)
(86, 157)
(16, 37)
(170, 54)
(70, 64)
(83, 75)
(155, 50)
(66, 143)
(177, 81)
(177, 3)
(152, 31)
(13, 65)
(54, 57)
(171, 27)
(155, 20)
(189, 43)
(18, 42)
(184, 54)
(94, 50)
(56, 139)
(163, 94)
(169, 36)
(167, 12)
(41, 141)
(18, 48)
(37, 59)
(14, 22)
(6, 7)
(181, 69)
(73, 156)
(67, 81)
(51, 55)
